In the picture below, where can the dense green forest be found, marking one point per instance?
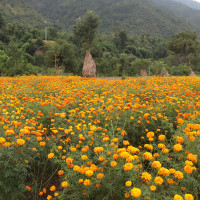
(24, 51)
(134, 16)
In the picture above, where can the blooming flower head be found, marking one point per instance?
(136, 192)
(20, 142)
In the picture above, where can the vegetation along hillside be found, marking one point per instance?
(134, 16)
(21, 13)
(181, 10)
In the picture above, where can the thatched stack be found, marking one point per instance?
(164, 72)
(143, 72)
(89, 66)
(192, 73)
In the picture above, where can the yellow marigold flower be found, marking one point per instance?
(69, 160)
(20, 141)
(177, 147)
(49, 197)
(172, 171)
(89, 173)
(128, 166)
(124, 154)
(128, 183)
(51, 155)
(161, 137)
(98, 149)
(158, 180)
(150, 134)
(42, 144)
(147, 156)
(115, 156)
(148, 146)
(161, 146)
(2, 140)
(84, 157)
(52, 188)
(187, 162)
(100, 176)
(178, 175)
(7, 144)
(80, 180)
(86, 182)
(113, 163)
(126, 142)
(152, 187)
(101, 158)
(115, 140)
(146, 176)
(165, 150)
(156, 164)
(136, 192)
(178, 197)
(189, 197)
(64, 184)
(56, 194)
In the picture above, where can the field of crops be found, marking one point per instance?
(73, 138)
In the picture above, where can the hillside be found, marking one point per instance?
(135, 16)
(181, 10)
(191, 3)
(20, 12)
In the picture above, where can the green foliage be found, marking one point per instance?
(185, 46)
(85, 31)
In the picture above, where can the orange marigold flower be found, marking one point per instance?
(28, 188)
(128, 166)
(51, 155)
(56, 194)
(84, 157)
(158, 180)
(156, 164)
(64, 184)
(52, 188)
(86, 182)
(113, 163)
(146, 176)
(147, 156)
(177, 147)
(152, 187)
(60, 172)
(150, 134)
(89, 173)
(49, 197)
(100, 176)
(178, 175)
(127, 195)
(98, 149)
(161, 137)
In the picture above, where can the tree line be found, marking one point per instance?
(23, 51)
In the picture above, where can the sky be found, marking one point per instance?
(198, 1)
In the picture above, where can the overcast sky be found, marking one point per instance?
(198, 0)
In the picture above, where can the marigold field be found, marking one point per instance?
(73, 138)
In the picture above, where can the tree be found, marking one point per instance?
(85, 31)
(121, 40)
(185, 47)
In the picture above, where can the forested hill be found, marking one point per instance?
(20, 12)
(182, 10)
(134, 16)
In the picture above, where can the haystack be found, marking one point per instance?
(164, 72)
(192, 73)
(89, 66)
(143, 72)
